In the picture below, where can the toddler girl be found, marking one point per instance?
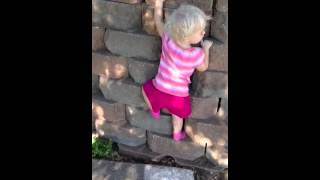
(169, 89)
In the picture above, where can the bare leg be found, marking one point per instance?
(155, 115)
(177, 123)
(146, 99)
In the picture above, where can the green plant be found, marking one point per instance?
(101, 148)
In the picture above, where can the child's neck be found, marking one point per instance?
(183, 44)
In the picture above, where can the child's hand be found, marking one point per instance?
(206, 44)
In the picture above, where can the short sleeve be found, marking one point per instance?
(199, 57)
(164, 37)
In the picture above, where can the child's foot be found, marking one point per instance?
(155, 115)
(179, 136)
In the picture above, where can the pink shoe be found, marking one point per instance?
(179, 136)
(155, 115)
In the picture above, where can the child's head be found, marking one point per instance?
(187, 23)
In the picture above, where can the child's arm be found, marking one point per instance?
(158, 16)
(206, 47)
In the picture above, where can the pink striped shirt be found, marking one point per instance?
(176, 67)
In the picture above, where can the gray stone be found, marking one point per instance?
(122, 91)
(176, 3)
(219, 26)
(222, 5)
(202, 4)
(116, 15)
(140, 152)
(111, 170)
(165, 145)
(128, 1)
(223, 110)
(161, 172)
(142, 119)
(111, 66)
(208, 84)
(218, 57)
(133, 45)
(148, 23)
(204, 108)
(218, 155)
(107, 110)
(207, 132)
(95, 84)
(202, 164)
(123, 134)
(98, 38)
(141, 71)
(205, 5)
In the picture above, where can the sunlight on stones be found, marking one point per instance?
(106, 73)
(109, 19)
(95, 6)
(103, 80)
(99, 112)
(203, 140)
(130, 109)
(221, 112)
(119, 70)
(221, 142)
(101, 132)
(131, 131)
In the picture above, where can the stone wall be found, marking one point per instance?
(125, 53)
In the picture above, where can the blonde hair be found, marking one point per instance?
(185, 21)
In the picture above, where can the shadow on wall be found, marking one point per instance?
(99, 13)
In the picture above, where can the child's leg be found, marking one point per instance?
(177, 123)
(155, 115)
(146, 99)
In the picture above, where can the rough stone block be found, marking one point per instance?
(111, 66)
(123, 134)
(122, 91)
(148, 22)
(185, 149)
(141, 71)
(219, 26)
(106, 110)
(218, 57)
(95, 84)
(133, 45)
(207, 84)
(142, 119)
(116, 15)
(218, 155)
(207, 132)
(128, 1)
(98, 38)
(222, 5)
(204, 108)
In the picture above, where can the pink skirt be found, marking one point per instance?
(179, 106)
